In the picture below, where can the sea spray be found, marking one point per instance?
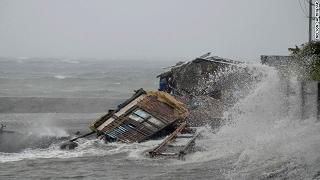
(87, 148)
(265, 141)
(36, 133)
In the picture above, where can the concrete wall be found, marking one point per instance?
(303, 93)
(309, 95)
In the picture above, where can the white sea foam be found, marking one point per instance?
(70, 61)
(86, 148)
(23, 57)
(60, 76)
(261, 136)
(46, 131)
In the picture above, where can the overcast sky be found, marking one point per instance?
(239, 29)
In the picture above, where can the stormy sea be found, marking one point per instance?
(44, 102)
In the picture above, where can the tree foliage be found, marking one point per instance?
(307, 59)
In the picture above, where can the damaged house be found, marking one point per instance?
(145, 116)
(191, 94)
(210, 85)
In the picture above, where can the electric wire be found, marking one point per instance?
(306, 2)
(302, 9)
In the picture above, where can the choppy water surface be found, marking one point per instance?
(258, 142)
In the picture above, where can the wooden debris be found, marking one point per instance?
(176, 144)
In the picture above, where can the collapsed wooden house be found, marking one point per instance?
(206, 84)
(146, 115)
(210, 86)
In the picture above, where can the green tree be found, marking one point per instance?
(307, 59)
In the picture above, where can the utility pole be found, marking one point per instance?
(318, 83)
(310, 20)
(303, 83)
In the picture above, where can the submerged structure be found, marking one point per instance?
(2, 129)
(145, 116)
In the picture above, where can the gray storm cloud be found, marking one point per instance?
(159, 29)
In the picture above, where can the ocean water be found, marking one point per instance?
(47, 101)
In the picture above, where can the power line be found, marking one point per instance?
(302, 9)
(306, 2)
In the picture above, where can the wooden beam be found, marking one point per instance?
(169, 139)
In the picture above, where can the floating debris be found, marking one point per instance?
(2, 131)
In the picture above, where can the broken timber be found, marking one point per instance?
(176, 144)
(159, 148)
